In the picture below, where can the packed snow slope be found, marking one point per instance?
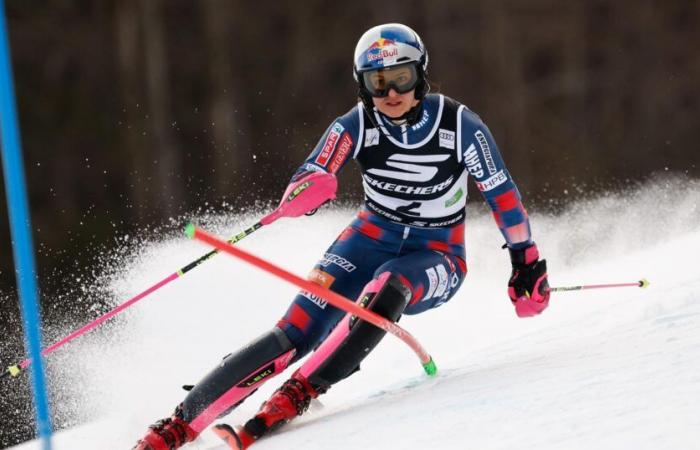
(605, 369)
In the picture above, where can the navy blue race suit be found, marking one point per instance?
(412, 222)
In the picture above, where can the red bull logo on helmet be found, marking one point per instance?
(382, 48)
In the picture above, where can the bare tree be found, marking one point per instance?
(228, 122)
(165, 151)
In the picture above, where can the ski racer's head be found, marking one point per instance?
(389, 66)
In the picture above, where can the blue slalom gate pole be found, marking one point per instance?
(20, 225)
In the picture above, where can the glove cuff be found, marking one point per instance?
(524, 256)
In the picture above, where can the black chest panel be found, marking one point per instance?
(421, 184)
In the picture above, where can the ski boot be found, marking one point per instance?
(167, 434)
(289, 401)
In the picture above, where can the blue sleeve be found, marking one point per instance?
(336, 146)
(484, 163)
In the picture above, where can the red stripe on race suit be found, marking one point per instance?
(346, 234)
(507, 201)
(457, 235)
(371, 230)
(439, 245)
(297, 317)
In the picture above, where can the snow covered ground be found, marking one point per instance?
(606, 369)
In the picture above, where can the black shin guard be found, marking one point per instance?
(237, 369)
(389, 302)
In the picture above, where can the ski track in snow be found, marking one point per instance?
(602, 369)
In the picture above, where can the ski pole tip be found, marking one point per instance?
(14, 370)
(643, 283)
(430, 367)
(190, 230)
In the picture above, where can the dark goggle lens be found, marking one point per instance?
(402, 79)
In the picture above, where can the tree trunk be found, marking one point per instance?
(229, 127)
(166, 193)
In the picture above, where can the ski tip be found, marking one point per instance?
(643, 283)
(190, 230)
(430, 368)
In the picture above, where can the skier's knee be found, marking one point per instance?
(386, 296)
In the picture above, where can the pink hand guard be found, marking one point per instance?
(528, 287)
(533, 304)
(304, 195)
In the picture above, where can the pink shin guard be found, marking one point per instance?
(341, 332)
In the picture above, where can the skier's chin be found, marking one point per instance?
(394, 112)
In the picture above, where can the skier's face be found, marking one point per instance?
(395, 105)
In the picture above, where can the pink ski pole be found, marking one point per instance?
(643, 283)
(16, 369)
(308, 193)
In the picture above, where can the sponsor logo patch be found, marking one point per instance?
(471, 159)
(411, 167)
(298, 190)
(321, 278)
(492, 182)
(371, 137)
(455, 198)
(258, 376)
(433, 282)
(486, 151)
(404, 189)
(447, 139)
(382, 48)
(329, 145)
(423, 121)
(330, 258)
(318, 301)
(442, 281)
(342, 153)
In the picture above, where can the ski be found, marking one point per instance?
(237, 440)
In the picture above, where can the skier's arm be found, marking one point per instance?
(331, 153)
(485, 165)
(528, 288)
(335, 148)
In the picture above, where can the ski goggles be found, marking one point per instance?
(402, 78)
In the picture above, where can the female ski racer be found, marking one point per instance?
(402, 254)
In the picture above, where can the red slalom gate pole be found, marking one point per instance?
(333, 298)
(643, 283)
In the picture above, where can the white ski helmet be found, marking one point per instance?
(386, 46)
